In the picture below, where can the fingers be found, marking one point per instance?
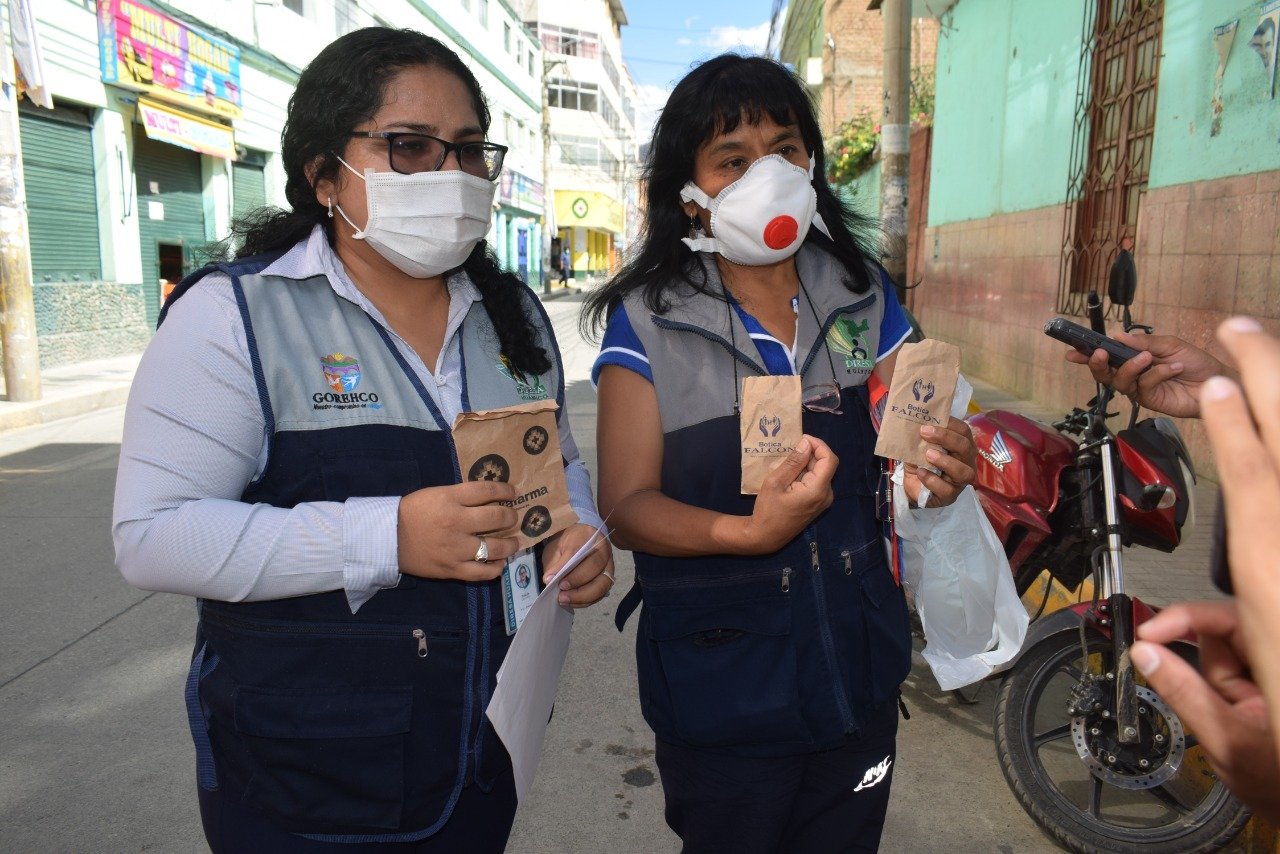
(1201, 708)
(478, 492)
(595, 584)
(1100, 366)
(956, 437)
(823, 466)
(1258, 356)
(1127, 377)
(489, 517)
(1191, 620)
(792, 466)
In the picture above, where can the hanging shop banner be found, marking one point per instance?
(588, 209)
(520, 191)
(183, 129)
(147, 51)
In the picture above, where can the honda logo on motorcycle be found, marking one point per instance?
(999, 455)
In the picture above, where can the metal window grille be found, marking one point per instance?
(1110, 142)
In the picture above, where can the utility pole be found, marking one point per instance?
(17, 306)
(548, 196)
(895, 140)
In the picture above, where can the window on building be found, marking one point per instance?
(298, 6)
(482, 12)
(466, 4)
(519, 52)
(573, 95)
(506, 37)
(345, 16)
(567, 41)
(530, 59)
(610, 69)
(1111, 144)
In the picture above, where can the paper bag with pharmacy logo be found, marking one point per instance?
(770, 426)
(924, 383)
(521, 446)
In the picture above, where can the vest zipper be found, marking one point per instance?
(828, 643)
(848, 561)
(422, 642)
(786, 580)
(709, 336)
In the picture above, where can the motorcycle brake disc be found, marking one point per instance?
(1162, 745)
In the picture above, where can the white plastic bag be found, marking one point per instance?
(956, 569)
(959, 577)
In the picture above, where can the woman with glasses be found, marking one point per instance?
(288, 461)
(773, 636)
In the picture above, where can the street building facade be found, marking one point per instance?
(591, 124)
(166, 126)
(837, 48)
(1065, 132)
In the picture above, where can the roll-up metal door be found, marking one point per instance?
(170, 213)
(62, 196)
(248, 184)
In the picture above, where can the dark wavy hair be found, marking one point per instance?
(341, 88)
(714, 98)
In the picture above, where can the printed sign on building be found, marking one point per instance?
(145, 50)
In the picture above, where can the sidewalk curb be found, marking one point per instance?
(71, 390)
(558, 294)
(18, 416)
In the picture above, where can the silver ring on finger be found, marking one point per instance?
(482, 553)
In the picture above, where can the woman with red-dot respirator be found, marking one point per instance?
(773, 635)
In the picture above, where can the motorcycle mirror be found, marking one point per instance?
(1123, 280)
(1157, 496)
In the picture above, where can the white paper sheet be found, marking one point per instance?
(521, 705)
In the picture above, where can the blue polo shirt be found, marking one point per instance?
(621, 346)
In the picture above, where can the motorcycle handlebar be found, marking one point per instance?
(1094, 304)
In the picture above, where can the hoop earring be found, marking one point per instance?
(331, 207)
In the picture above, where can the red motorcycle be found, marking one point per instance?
(1095, 756)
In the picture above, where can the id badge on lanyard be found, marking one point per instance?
(519, 587)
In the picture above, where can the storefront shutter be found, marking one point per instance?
(62, 197)
(169, 177)
(248, 185)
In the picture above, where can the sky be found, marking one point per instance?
(664, 37)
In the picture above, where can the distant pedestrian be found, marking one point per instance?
(565, 271)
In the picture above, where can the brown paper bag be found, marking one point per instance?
(924, 384)
(519, 445)
(770, 425)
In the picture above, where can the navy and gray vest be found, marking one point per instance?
(787, 652)
(344, 726)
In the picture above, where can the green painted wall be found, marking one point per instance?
(1006, 89)
(1184, 149)
(802, 34)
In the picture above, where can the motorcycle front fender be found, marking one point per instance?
(1068, 620)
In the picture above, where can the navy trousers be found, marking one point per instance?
(809, 803)
(480, 824)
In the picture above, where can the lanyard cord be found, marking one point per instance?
(816, 320)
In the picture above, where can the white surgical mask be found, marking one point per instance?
(761, 218)
(425, 223)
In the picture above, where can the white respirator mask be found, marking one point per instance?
(761, 218)
(425, 223)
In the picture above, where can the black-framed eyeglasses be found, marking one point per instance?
(411, 153)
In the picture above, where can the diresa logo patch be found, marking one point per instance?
(527, 391)
(849, 340)
(342, 374)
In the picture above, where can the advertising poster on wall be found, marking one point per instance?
(1264, 41)
(147, 51)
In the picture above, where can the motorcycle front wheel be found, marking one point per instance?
(1082, 785)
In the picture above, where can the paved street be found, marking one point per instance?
(94, 753)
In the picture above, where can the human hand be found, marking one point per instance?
(1220, 704)
(792, 496)
(439, 530)
(956, 456)
(589, 581)
(1245, 437)
(1171, 386)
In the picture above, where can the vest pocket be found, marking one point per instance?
(728, 670)
(369, 473)
(328, 757)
